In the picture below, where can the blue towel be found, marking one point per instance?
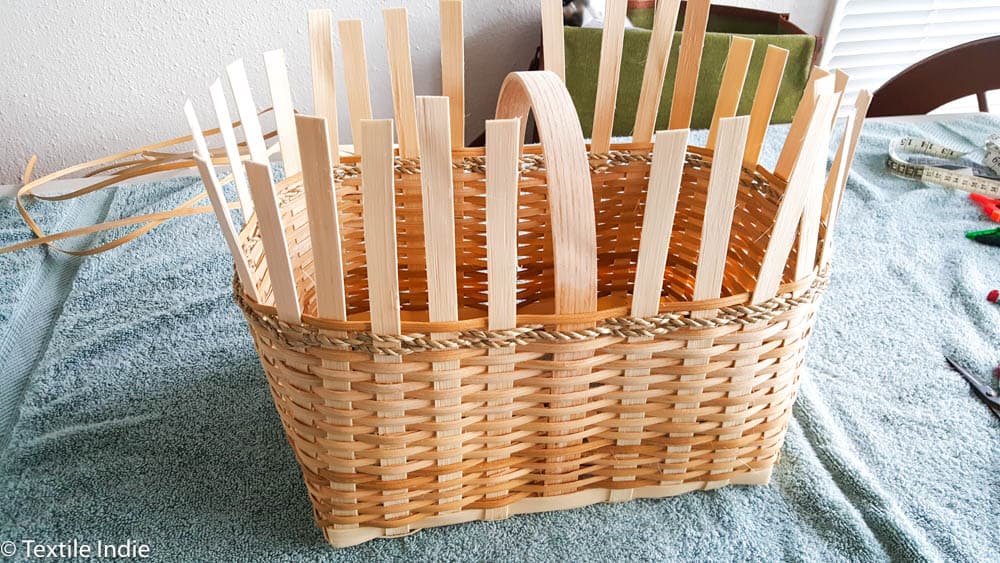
(137, 408)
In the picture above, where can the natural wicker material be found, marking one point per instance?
(505, 430)
(454, 334)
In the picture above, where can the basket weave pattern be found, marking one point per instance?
(394, 433)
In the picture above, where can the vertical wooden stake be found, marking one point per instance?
(247, 109)
(379, 209)
(792, 202)
(657, 57)
(763, 102)
(689, 63)
(503, 166)
(553, 45)
(324, 87)
(453, 67)
(502, 171)
(232, 148)
(657, 225)
(723, 185)
(272, 235)
(437, 193)
(438, 198)
(731, 89)
(800, 121)
(219, 204)
(812, 209)
(837, 181)
(359, 100)
(397, 39)
(658, 220)
(324, 222)
(284, 110)
(612, 38)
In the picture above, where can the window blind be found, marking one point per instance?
(873, 40)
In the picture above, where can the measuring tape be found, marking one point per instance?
(983, 179)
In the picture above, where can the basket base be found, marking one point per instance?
(347, 537)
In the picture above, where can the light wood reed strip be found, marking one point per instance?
(219, 203)
(502, 172)
(800, 121)
(438, 202)
(553, 46)
(763, 102)
(723, 186)
(612, 37)
(397, 43)
(232, 147)
(378, 195)
(438, 197)
(247, 109)
(453, 67)
(324, 89)
(805, 258)
(221, 208)
(284, 110)
(689, 63)
(359, 102)
(790, 209)
(324, 223)
(731, 89)
(658, 220)
(719, 208)
(657, 225)
(272, 235)
(654, 73)
(837, 181)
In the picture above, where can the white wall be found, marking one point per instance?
(85, 79)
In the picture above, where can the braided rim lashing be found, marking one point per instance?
(298, 336)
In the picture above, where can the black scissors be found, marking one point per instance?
(984, 391)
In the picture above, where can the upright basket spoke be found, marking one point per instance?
(321, 63)
(284, 110)
(359, 101)
(397, 40)
(502, 171)
(247, 109)
(324, 221)
(658, 220)
(800, 121)
(272, 235)
(219, 204)
(731, 89)
(612, 38)
(453, 67)
(723, 185)
(837, 180)
(792, 202)
(654, 73)
(232, 148)
(689, 63)
(763, 102)
(553, 46)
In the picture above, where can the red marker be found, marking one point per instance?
(991, 207)
(993, 296)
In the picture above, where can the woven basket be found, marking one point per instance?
(476, 333)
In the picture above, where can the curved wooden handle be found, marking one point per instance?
(570, 194)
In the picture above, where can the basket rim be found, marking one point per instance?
(473, 333)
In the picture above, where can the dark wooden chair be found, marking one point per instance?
(970, 68)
